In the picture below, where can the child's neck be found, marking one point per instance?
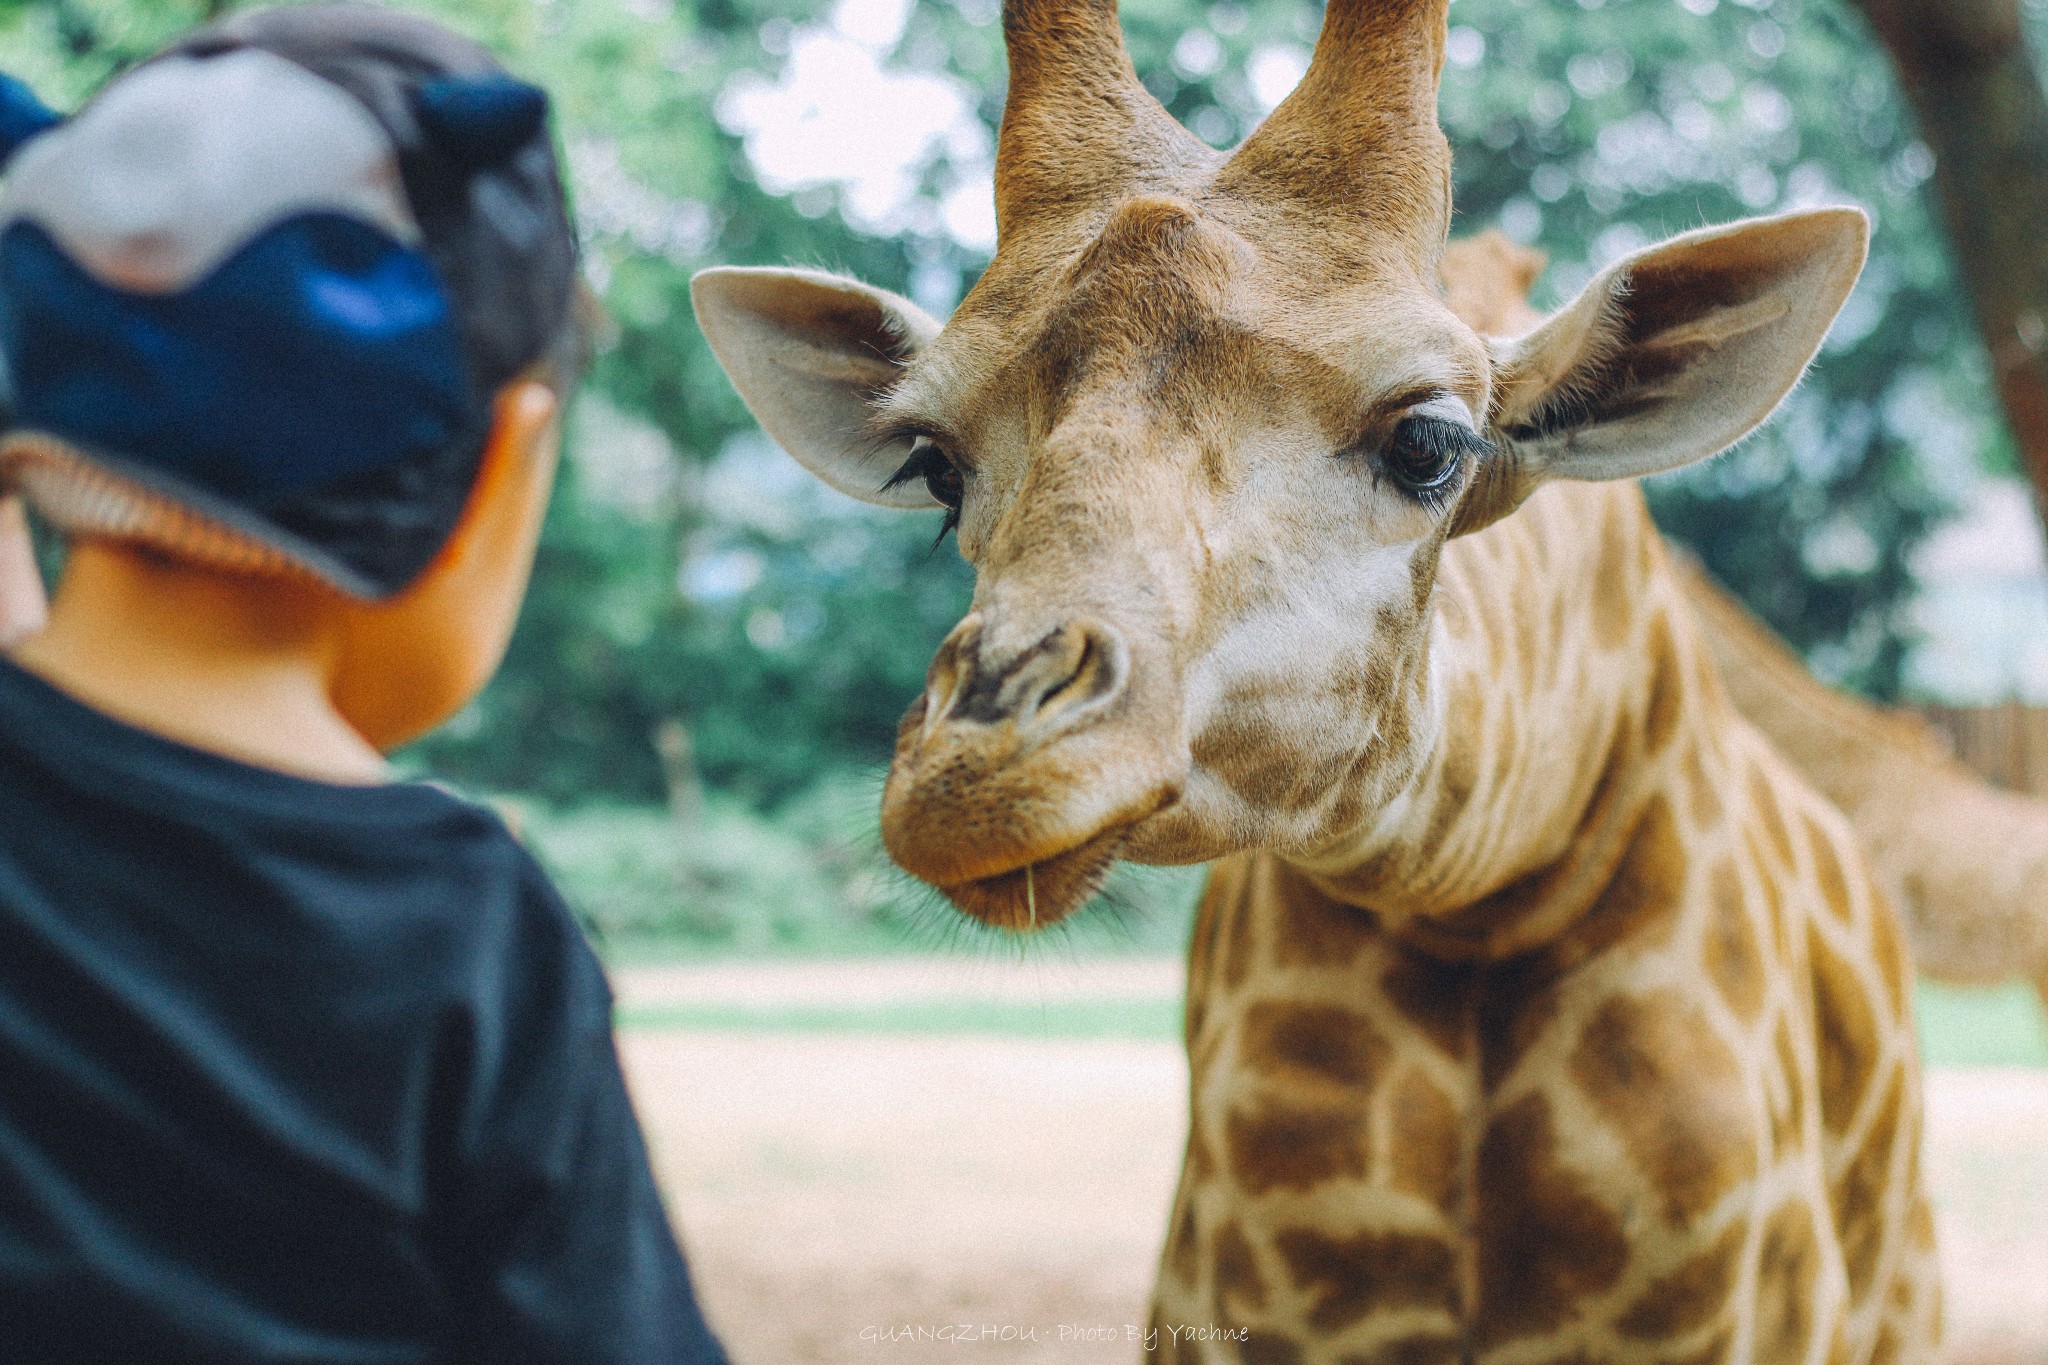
(237, 666)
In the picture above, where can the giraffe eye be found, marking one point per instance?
(1426, 454)
(941, 475)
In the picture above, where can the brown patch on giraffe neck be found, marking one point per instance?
(1239, 1286)
(1311, 928)
(1279, 1144)
(1544, 1241)
(1673, 1093)
(1858, 1193)
(1763, 798)
(1617, 586)
(1733, 957)
(1424, 1132)
(1827, 869)
(1308, 1123)
(1311, 1046)
(1348, 1279)
(1434, 995)
(1847, 1031)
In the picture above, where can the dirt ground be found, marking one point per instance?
(854, 1198)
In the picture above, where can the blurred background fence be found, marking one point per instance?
(2007, 743)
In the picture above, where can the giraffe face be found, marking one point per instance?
(1204, 483)
(1205, 423)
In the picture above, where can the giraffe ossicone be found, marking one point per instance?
(1538, 1010)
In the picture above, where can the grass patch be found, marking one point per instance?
(1981, 1026)
(1156, 1020)
(1959, 1026)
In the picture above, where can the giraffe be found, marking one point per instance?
(1538, 1009)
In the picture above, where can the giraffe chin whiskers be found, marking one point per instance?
(1039, 894)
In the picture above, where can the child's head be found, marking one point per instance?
(293, 305)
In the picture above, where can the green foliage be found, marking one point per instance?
(686, 574)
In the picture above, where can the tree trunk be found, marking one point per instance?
(1965, 67)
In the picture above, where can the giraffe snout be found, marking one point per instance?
(1026, 762)
(1074, 671)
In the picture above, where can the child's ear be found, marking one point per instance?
(1668, 357)
(408, 663)
(808, 352)
(23, 606)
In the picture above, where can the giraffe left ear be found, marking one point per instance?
(1669, 356)
(808, 353)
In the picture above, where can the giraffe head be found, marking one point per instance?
(1204, 426)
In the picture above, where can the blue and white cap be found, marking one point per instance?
(217, 309)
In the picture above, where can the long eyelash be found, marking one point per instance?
(1439, 438)
(912, 468)
(915, 468)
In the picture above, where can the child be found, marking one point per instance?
(296, 1062)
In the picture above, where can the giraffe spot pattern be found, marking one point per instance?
(1313, 930)
(1892, 966)
(1544, 1241)
(1643, 899)
(1764, 802)
(1614, 587)
(1280, 1144)
(1733, 960)
(1847, 1027)
(1858, 1193)
(1239, 1285)
(1423, 1130)
(1350, 1278)
(1312, 1043)
(1788, 1267)
(1679, 1303)
(1235, 910)
(1184, 1248)
(1667, 688)
(1827, 869)
(1672, 1092)
(1431, 994)
(1201, 1155)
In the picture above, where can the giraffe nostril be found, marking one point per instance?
(1068, 673)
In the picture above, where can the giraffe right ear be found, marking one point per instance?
(808, 352)
(1669, 356)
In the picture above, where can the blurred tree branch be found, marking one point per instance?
(1966, 68)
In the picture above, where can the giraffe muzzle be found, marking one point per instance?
(1072, 672)
(1020, 768)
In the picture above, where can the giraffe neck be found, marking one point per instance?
(1561, 668)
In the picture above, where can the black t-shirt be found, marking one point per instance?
(300, 1072)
